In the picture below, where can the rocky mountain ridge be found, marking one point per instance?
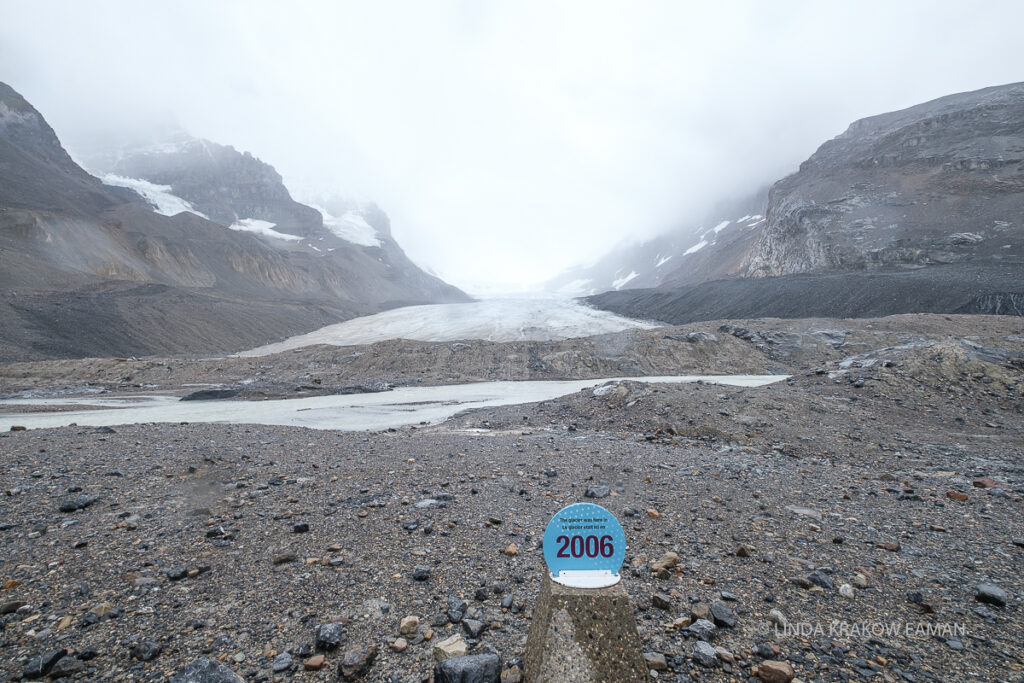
(940, 182)
(919, 210)
(88, 268)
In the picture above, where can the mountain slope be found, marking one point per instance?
(920, 210)
(940, 182)
(202, 286)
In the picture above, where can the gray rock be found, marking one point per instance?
(328, 636)
(420, 572)
(655, 661)
(203, 670)
(41, 665)
(282, 662)
(597, 491)
(473, 628)
(702, 629)
(991, 594)
(66, 666)
(485, 668)
(78, 503)
(704, 654)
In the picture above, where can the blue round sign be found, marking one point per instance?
(584, 538)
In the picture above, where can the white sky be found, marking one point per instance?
(507, 140)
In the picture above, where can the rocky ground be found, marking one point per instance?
(860, 521)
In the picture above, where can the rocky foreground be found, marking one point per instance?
(860, 521)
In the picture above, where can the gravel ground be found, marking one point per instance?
(876, 490)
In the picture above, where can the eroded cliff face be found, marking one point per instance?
(941, 182)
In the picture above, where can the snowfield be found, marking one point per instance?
(158, 196)
(265, 228)
(489, 319)
(351, 227)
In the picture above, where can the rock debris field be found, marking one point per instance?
(860, 521)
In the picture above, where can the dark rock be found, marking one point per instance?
(481, 594)
(506, 602)
(211, 394)
(661, 601)
(991, 594)
(421, 572)
(78, 503)
(473, 628)
(12, 606)
(41, 665)
(357, 661)
(67, 666)
(597, 491)
(300, 528)
(176, 573)
(820, 578)
(146, 650)
(484, 668)
(203, 670)
(328, 636)
(722, 615)
(456, 609)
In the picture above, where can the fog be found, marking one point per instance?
(507, 141)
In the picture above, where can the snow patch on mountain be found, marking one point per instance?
(158, 196)
(721, 226)
(265, 228)
(663, 261)
(351, 227)
(695, 248)
(623, 281)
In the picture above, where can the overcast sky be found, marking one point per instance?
(507, 140)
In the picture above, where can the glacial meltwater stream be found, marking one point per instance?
(351, 412)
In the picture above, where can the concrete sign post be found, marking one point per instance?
(583, 629)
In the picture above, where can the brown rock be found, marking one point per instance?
(956, 495)
(667, 561)
(744, 550)
(890, 546)
(409, 625)
(652, 513)
(9, 584)
(700, 610)
(773, 671)
(511, 550)
(357, 661)
(985, 483)
(281, 558)
(399, 645)
(314, 663)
